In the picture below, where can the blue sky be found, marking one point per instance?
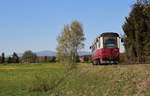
(35, 24)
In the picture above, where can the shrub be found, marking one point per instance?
(45, 83)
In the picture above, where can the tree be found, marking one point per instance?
(15, 58)
(53, 59)
(46, 58)
(29, 57)
(3, 58)
(70, 41)
(137, 32)
(9, 60)
(41, 59)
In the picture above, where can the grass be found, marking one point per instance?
(87, 80)
(16, 79)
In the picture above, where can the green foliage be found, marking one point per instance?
(41, 59)
(9, 60)
(51, 59)
(46, 59)
(137, 32)
(29, 57)
(15, 58)
(2, 58)
(87, 59)
(70, 41)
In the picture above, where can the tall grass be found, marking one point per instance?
(43, 84)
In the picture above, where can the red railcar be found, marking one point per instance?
(105, 49)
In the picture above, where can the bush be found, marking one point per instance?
(45, 83)
(42, 84)
(123, 58)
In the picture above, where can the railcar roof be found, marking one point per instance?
(109, 33)
(106, 34)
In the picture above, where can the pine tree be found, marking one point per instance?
(3, 58)
(137, 30)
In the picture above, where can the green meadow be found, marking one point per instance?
(51, 79)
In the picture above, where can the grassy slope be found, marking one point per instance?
(125, 80)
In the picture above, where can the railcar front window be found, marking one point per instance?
(110, 42)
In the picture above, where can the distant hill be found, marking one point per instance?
(83, 53)
(53, 53)
(46, 53)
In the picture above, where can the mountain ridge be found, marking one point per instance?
(53, 53)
